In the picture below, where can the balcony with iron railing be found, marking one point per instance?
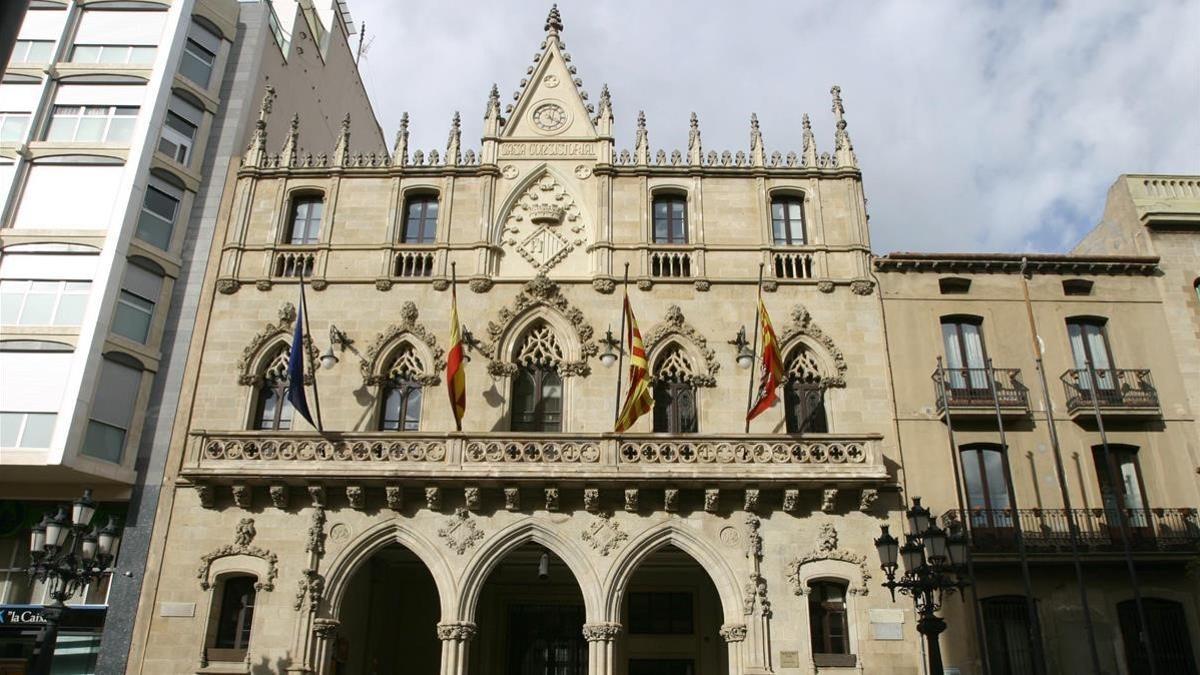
(1048, 532)
(980, 392)
(1115, 393)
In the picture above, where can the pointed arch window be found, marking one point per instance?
(674, 393)
(273, 410)
(804, 394)
(537, 390)
(402, 393)
(420, 219)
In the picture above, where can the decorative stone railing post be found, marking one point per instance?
(600, 638)
(455, 638)
(734, 635)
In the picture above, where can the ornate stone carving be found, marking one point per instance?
(460, 532)
(461, 631)
(317, 494)
(747, 452)
(480, 284)
(319, 284)
(373, 371)
(472, 498)
(243, 535)
(867, 499)
(532, 451)
(243, 496)
(712, 500)
(604, 285)
(751, 502)
(383, 284)
(754, 547)
(551, 499)
(311, 584)
(862, 286)
(262, 285)
(539, 292)
(433, 498)
(827, 549)
(601, 632)
(671, 500)
(325, 629)
(279, 496)
(544, 224)
(791, 500)
(828, 499)
(631, 500)
(394, 494)
(702, 285)
(645, 284)
(441, 284)
(227, 286)
(674, 325)
(591, 499)
(357, 496)
(733, 632)
(770, 286)
(604, 534)
(825, 286)
(287, 316)
(512, 499)
(316, 533)
(300, 450)
(802, 325)
(207, 495)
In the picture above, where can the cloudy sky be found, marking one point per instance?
(988, 126)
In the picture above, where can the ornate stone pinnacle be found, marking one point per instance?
(805, 123)
(605, 98)
(838, 109)
(641, 120)
(554, 23)
(754, 122)
(695, 123)
(493, 103)
(346, 124)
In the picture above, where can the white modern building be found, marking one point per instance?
(119, 124)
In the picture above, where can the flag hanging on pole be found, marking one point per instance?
(770, 367)
(638, 400)
(295, 391)
(456, 376)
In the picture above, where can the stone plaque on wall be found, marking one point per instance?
(789, 659)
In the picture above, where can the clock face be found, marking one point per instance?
(550, 117)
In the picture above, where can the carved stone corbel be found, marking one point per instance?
(512, 499)
(829, 499)
(551, 499)
(243, 496)
(357, 496)
(433, 498)
(631, 500)
(591, 499)
(207, 495)
(751, 501)
(867, 499)
(712, 500)
(791, 500)
(279, 496)
(317, 494)
(394, 494)
(472, 498)
(671, 500)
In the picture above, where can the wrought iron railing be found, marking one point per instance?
(1099, 530)
(1120, 389)
(972, 388)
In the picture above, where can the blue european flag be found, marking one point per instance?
(295, 392)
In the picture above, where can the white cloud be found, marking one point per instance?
(979, 126)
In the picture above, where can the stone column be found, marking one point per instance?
(325, 631)
(600, 637)
(735, 636)
(455, 637)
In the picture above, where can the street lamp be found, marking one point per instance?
(934, 566)
(745, 357)
(612, 349)
(67, 553)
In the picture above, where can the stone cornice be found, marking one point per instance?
(1014, 263)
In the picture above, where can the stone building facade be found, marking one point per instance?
(535, 539)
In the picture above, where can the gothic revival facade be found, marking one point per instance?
(535, 540)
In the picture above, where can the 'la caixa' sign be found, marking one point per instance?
(21, 615)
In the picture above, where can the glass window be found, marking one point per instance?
(401, 406)
(26, 429)
(43, 303)
(660, 613)
(675, 407)
(178, 134)
(787, 221)
(829, 627)
(537, 400)
(306, 220)
(1089, 346)
(104, 441)
(32, 51)
(985, 473)
(197, 63)
(157, 220)
(236, 614)
(1171, 643)
(1128, 492)
(966, 359)
(12, 126)
(804, 394)
(420, 220)
(92, 123)
(133, 316)
(274, 410)
(670, 219)
(112, 54)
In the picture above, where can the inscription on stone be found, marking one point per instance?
(586, 150)
(789, 659)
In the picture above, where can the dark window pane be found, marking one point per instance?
(660, 613)
(236, 614)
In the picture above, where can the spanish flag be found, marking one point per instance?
(770, 370)
(456, 377)
(638, 400)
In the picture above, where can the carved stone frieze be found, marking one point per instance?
(674, 325)
(828, 549)
(461, 631)
(601, 632)
(460, 532)
(802, 325)
(539, 292)
(604, 534)
(242, 538)
(374, 372)
(733, 632)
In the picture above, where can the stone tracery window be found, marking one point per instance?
(273, 410)
(402, 392)
(674, 393)
(537, 389)
(804, 393)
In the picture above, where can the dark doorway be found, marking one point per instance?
(546, 640)
(1006, 621)
(1168, 628)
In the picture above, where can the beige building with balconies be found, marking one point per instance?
(535, 540)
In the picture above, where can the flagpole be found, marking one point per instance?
(304, 351)
(621, 349)
(454, 301)
(754, 347)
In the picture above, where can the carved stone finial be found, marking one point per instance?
(256, 152)
(809, 151)
(554, 24)
(341, 153)
(694, 151)
(843, 149)
(287, 156)
(757, 153)
(400, 149)
(453, 156)
(605, 100)
(642, 141)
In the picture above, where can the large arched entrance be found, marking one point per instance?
(389, 615)
(530, 618)
(672, 616)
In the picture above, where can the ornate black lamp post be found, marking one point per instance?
(933, 567)
(67, 556)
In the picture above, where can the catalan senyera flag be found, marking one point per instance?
(638, 400)
(770, 368)
(456, 377)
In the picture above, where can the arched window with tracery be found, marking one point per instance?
(537, 389)
(402, 392)
(273, 410)
(674, 393)
(804, 393)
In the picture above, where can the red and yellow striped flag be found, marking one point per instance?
(456, 376)
(770, 370)
(638, 400)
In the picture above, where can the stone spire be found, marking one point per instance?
(256, 152)
(341, 152)
(641, 145)
(809, 151)
(554, 24)
(400, 148)
(758, 156)
(491, 118)
(604, 115)
(453, 156)
(843, 149)
(287, 156)
(694, 142)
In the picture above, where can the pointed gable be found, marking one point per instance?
(551, 104)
